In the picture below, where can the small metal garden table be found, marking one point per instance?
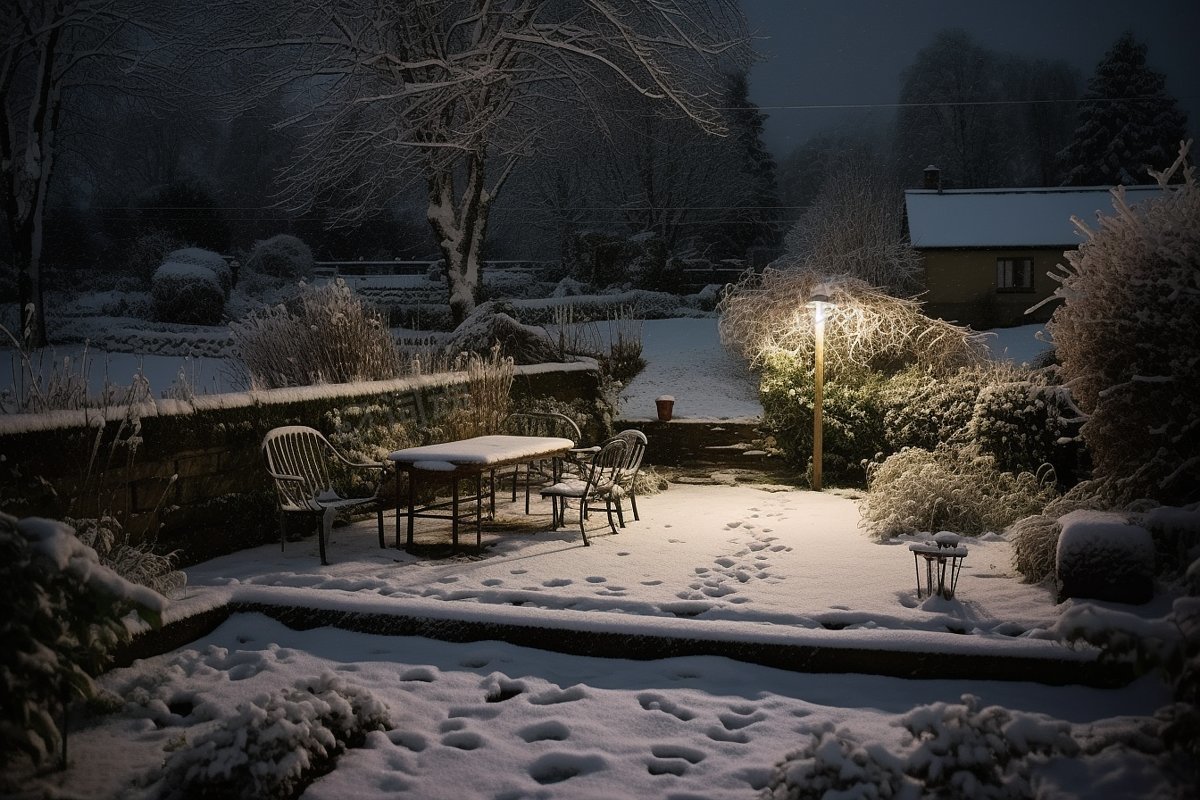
(943, 563)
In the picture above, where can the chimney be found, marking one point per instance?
(933, 178)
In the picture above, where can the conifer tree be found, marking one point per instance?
(757, 168)
(1127, 122)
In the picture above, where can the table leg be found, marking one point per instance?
(479, 510)
(454, 512)
(412, 499)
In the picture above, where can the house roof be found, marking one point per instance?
(1008, 217)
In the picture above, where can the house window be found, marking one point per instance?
(1014, 274)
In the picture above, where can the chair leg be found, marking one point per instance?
(620, 511)
(608, 507)
(326, 527)
(379, 520)
(582, 516)
(633, 502)
(282, 530)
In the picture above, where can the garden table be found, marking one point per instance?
(464, 459)
(943, 555)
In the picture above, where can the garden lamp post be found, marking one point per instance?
(819, 301)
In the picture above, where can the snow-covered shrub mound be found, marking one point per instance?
(207, 259)
(62, 618)
(968, 751)
(956, 489)
(569, 287)
(488, 325)
(326, 334)
(282, 256)
(1026, 423)
(925, 408)
(276, 745)
(187, 293)
(1126, 335)
(833, 763)
(147, 252)
(1102, 556)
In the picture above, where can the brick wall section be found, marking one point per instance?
(220, 499)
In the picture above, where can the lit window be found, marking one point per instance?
(1014, 274)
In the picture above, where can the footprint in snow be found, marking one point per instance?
(555, 582)
(656, 702)
(493, 582)
(463, 740)
(651, 583)
(735, 524)
(448, 579)
(547, 731)
(595, 579)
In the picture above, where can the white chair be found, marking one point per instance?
(299, 461)
(627, 476)
(598, 484)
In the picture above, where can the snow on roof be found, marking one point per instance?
(1008, 217)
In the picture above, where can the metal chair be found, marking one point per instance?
(531, 423)
(299, 461)
(599, 484)
(627, 476)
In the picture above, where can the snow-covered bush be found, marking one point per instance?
(282, 256)
(275, 745)
(147, 252)
(925, 408)
(833, 763)
(1126, 338)
(136, 562)
(326, 334)
(852, 417)
(1101, 555)
(949, 488)
(492, 322)
(1027, 422)
(187, 293)
(365, 435)
(965, 750)
(62, 618)
(208, 259)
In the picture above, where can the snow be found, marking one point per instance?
(737, 562)
(481, 450)
(1008, 217)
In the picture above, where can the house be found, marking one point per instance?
(987, 252)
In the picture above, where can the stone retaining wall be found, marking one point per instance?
(194, 470)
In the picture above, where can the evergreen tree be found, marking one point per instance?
(1127, 122)
(757, 168)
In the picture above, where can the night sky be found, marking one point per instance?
(837, 52)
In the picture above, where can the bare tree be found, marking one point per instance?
(856, 227)
(453, 92)
(55, 55)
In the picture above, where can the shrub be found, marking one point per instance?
(852, 413)
(187, 293)
(957, 489)
(326, 334)
(832, 763)
(61, 621)
(274, 746)
(1126, 336)
(281, 256)
(147, 252)
(923, 408)
(1028, 423)
(207, 259)
(135, 562)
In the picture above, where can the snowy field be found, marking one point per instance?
(493, 720)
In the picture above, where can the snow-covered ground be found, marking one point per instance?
(489, 719)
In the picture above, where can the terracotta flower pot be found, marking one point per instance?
(665, 404)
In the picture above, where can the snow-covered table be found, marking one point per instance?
(465, 459)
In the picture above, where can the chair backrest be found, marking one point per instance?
(537, 423)
(635, 442)
(303, 453)
(606, 465)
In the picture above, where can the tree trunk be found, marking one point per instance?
(27, 245)
(459, 224)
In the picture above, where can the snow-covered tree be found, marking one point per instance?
(1127, 122)
(1127, 336)
(454, 92)
(56, 57)
(855, 226)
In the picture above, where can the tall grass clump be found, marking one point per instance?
(948, 488)
(326, 334)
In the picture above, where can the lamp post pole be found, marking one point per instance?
(818, 393)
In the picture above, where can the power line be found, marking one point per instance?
(945, 103)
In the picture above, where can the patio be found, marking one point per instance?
(758, 564)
